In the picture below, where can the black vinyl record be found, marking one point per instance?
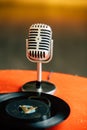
(24, 110)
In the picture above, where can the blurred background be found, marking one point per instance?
(68, 20)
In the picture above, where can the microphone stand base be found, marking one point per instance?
(47, 87)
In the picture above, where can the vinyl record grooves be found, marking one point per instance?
(19, 111)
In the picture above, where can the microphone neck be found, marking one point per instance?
(39, 71)
(39, 77)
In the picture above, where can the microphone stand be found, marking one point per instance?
(39, 77)
(39, 85)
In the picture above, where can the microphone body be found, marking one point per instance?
(39, 45)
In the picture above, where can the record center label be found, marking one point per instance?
(27, 109)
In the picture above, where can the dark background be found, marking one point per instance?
(69, 26)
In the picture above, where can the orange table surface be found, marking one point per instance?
(70, 88)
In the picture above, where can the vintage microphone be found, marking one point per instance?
(39, 49)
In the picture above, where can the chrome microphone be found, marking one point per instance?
(39, 49)
(39, 45)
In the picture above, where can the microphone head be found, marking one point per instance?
(39, 45)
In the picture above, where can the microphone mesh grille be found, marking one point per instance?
(39, 40)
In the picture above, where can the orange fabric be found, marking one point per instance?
(72, 89)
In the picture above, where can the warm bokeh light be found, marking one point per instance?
(19, 11)
(54, 2)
